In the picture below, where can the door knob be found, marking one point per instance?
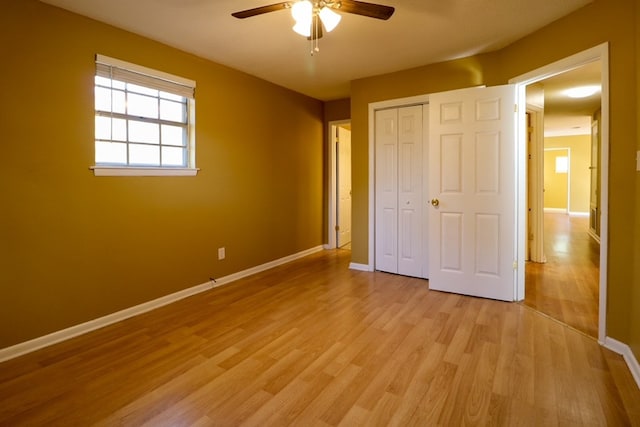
(435, 202)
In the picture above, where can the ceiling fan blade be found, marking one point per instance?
(371, 10)
(262, 9)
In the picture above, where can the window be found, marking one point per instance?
(562, 164)
(144, 121)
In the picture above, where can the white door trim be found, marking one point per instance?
(332, 202)
(601, 53)
(536, 183)
(381, 105)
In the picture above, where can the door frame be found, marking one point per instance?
(332, 214)
(601, 53)
(382, 105)
(535, 184)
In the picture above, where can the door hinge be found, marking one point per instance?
(515, 265)
(515, 108)
(337, 228)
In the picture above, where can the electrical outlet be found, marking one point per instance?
(221, 253)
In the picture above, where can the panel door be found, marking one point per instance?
(472, 174)
(344, 186)
(386, 175)
(400, 213)
(410, 208)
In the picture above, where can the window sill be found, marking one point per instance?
(142, 171)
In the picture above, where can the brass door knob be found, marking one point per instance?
(435, 202)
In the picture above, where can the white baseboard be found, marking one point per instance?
(624, 350)
(359, 267)
(73, 331)
(581, 214)
(555, 210)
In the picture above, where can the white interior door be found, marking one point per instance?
(410, 208)
(400, 230)
(344, 186)
(472, 173)
(386, 174)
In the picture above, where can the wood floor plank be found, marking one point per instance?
(314, 343)
(566, 287)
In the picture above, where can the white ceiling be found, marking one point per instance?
(419, 33)
(564, 115)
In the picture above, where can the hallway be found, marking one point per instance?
(566, 286)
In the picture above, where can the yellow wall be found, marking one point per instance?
(339, 109)
(602, 21)
(580, 176)
(556, 184)
(634, 339)
(74, 247)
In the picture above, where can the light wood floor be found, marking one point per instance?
(314, 343)
(566, 287)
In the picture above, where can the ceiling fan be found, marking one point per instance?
(312, 15)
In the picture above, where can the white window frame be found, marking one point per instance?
(144, 76)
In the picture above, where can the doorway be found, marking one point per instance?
(565, 238)
(339, 213)
(343, 186)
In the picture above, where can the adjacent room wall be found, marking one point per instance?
(579, 175)
(556, 184)
(599, 22)
(74, 247)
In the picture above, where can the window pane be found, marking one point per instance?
(119, 102)
(173, 156)
(117, 84)
(144, 132)
(142, 106)
(111, 152)
(562, 164)
(144, 155)
(174, 111)
(114, 129)
(141, 89)
(167, 95)
(119, 130)
(103, 99)
(103, 81)
(103, 127)
(174, 135)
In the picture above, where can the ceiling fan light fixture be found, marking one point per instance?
(329, 18)
(302, 11)
(303, 28)
(312, 16)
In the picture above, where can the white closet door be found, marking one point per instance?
(400, 214)
(386, 190)
(410, 209)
